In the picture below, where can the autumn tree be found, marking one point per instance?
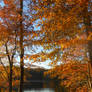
(10, 22)
(63, 23)
(19, 26)
(57, 28)
(9, 50)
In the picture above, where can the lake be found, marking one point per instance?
(43, 87)
(51, 86)
(46, 87)
(40, 90)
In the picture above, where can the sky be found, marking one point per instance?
(42, 64)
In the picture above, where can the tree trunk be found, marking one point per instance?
(10, 68)
(87, 23)
(21, 50)
(10, 78)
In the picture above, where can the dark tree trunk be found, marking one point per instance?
(10, 68)
(21, 50)
(10, 78)
(87, 23)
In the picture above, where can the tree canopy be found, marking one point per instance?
(64, 32)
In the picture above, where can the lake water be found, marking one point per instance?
(47, 87)
(40, 90)
(44, 87)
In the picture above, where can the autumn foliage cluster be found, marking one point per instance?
(61, 28)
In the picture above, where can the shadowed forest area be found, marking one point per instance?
(41, 32)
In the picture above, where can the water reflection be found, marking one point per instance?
(40, 90)
(50, 86)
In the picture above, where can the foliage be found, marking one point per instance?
(64, 34)
(66, 28)
(73, 75)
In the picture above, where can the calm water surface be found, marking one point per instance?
(40, 90)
